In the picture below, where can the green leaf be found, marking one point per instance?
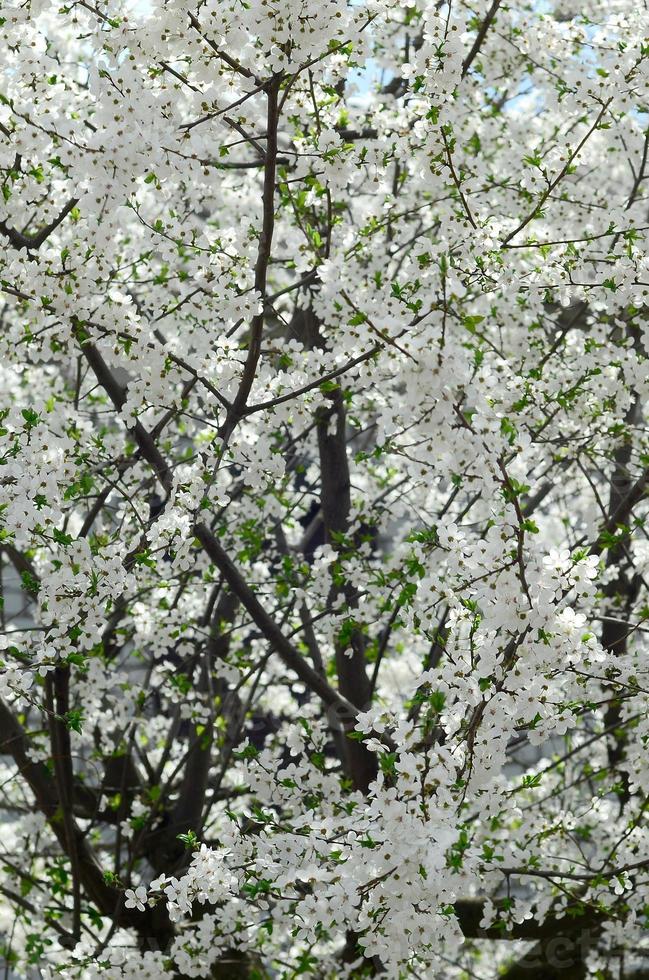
(357, 319)
(31, 417)
(529, 525)
(73, 719)
(62, 537)
(471, 322)
(190, 840)
(30, 583)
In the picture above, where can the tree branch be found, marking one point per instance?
(482, 33)
(263, 258)
(20, 240)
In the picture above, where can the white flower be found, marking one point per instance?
(135, 899)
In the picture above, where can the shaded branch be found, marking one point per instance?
(20, 240)
(482, 33)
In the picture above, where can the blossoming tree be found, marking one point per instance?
(323, 489)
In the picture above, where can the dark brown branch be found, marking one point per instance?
(13, 741)
(57, 685)
(621, 591)
(482, 33)
(284, 648)
(335, 503)
(188, 811)
(641, 174)
(469, 913)
(557, 180)
(289, 654)
(20, 240)
(263, 258)
(222, 55)
(335, 506)
(117, 395)
(330, 376)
